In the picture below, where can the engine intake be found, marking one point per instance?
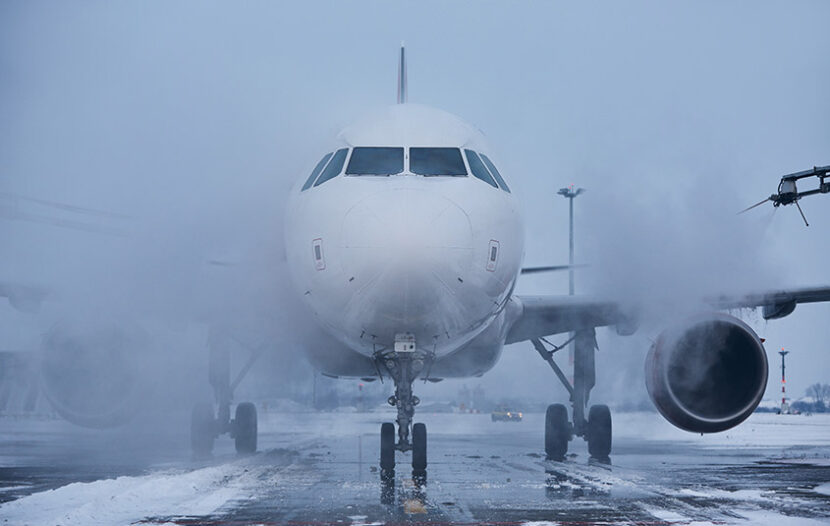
(708, 374)
(91, 377)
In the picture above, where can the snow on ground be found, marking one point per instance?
(667, 516)
(124, 500)
(199, 491)
(763, 517)
(743, 495)
(759, 430)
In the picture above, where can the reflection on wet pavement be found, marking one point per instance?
(478, 472)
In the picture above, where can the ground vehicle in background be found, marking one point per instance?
(505, 414)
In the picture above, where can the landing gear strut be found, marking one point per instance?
(596, 429)
(403, 365)
(205, 424)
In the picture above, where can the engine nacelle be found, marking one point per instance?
(92, 377)
(707, 374)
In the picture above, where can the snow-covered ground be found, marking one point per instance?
(124, 500)
(760, 430)
(315, 467)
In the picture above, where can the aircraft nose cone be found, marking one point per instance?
(407, 251)
(408, 228)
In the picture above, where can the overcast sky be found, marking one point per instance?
(195, 118)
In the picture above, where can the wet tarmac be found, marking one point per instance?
(321, 468)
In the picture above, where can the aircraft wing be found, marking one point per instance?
(775, 304)
(545, 315)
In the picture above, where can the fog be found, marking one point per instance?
(190, 122)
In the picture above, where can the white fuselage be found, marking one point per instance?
(378, 256)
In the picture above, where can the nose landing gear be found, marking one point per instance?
(403, 365)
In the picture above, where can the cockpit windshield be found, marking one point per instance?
(316, 171)
(334, 167)
(478, 168)
(436, 161)
(372, 160)
(496, 174)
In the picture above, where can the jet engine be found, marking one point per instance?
(92, 377)
(707, 374)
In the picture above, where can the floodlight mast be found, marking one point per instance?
(579, 397)
(570, 194)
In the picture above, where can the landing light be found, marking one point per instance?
(405, 342)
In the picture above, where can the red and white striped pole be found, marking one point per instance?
(783, 353)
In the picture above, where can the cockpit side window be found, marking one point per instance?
(374, 160)
(478, 168)
(436, 161)
(334, 168)
(495, 173)
(316, 172)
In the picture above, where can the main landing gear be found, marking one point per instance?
(596, 429)
(206, 425)
(403, 365)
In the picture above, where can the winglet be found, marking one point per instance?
(402, 76)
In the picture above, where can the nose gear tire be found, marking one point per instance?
(419, 447)
(387, 448)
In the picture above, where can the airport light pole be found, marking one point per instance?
(570, 193)
(784, 408)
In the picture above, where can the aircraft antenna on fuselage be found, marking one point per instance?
(402, 76)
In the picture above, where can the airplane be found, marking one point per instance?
(406, 243)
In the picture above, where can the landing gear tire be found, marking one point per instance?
(598, 432)
(245, 428)
(202, 429)
(557, 432)
(387, 450)
(419, 448)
